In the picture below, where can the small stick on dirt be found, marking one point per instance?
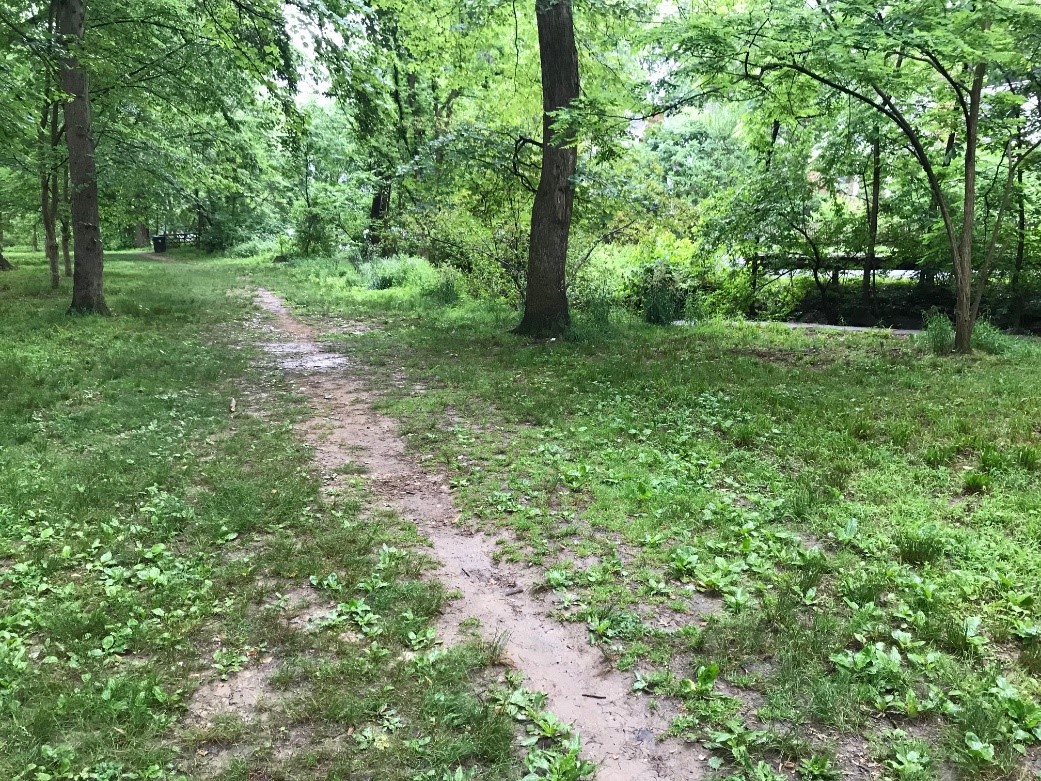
(595, 696)
(514, 592)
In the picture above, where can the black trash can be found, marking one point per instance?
(159, 243)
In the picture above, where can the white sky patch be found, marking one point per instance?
(314, 82)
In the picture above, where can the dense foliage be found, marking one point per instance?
(820, 149)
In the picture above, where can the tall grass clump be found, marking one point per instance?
(938, 335)
(445, 289)
(990, 339)
(254, 247)
(400, 271)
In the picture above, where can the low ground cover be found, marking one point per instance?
(825, 545)
(158, 541)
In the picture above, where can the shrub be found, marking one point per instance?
(254, 247)
(445, 289)
(938, 335)
(922, 545)
(664, 294)
(990, 339)
(400, 271)
(976, 482)
(313, 233)
(939, 455)
(1028, 458)
(595, 310)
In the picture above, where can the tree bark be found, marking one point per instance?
(50, 236)
(88, 292)
(5, 264)
(142, 238)
(48, 146)
(1018, 294)
(49, 190)
(873, 204)
(545, 301)
(63, 218)
(964, 322)
(379, 210)
(753, 272)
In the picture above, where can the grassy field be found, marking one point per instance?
(826, 546)
(150, 545)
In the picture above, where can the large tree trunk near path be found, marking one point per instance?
(545, 302)
(88, 293)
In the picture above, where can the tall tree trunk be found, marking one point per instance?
(48, 143)
(1018, 294)
(63, 218)
(201, 219)
(545, 301)
(753, 290)
(49, 191)
(34, 242)
(142, 238)
(873, 204)
(5, 264)
(964, 322)
(379, 210)
(88, 293)
(50, 236)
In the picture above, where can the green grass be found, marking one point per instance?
(147, 540)
(844, 525)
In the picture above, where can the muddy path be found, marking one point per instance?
(618, 730)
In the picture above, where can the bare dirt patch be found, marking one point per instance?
(617, 728)
(241, 694)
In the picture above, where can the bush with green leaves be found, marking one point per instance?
(314, 232)
(664, 294)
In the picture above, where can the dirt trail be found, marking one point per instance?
(617, 729)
